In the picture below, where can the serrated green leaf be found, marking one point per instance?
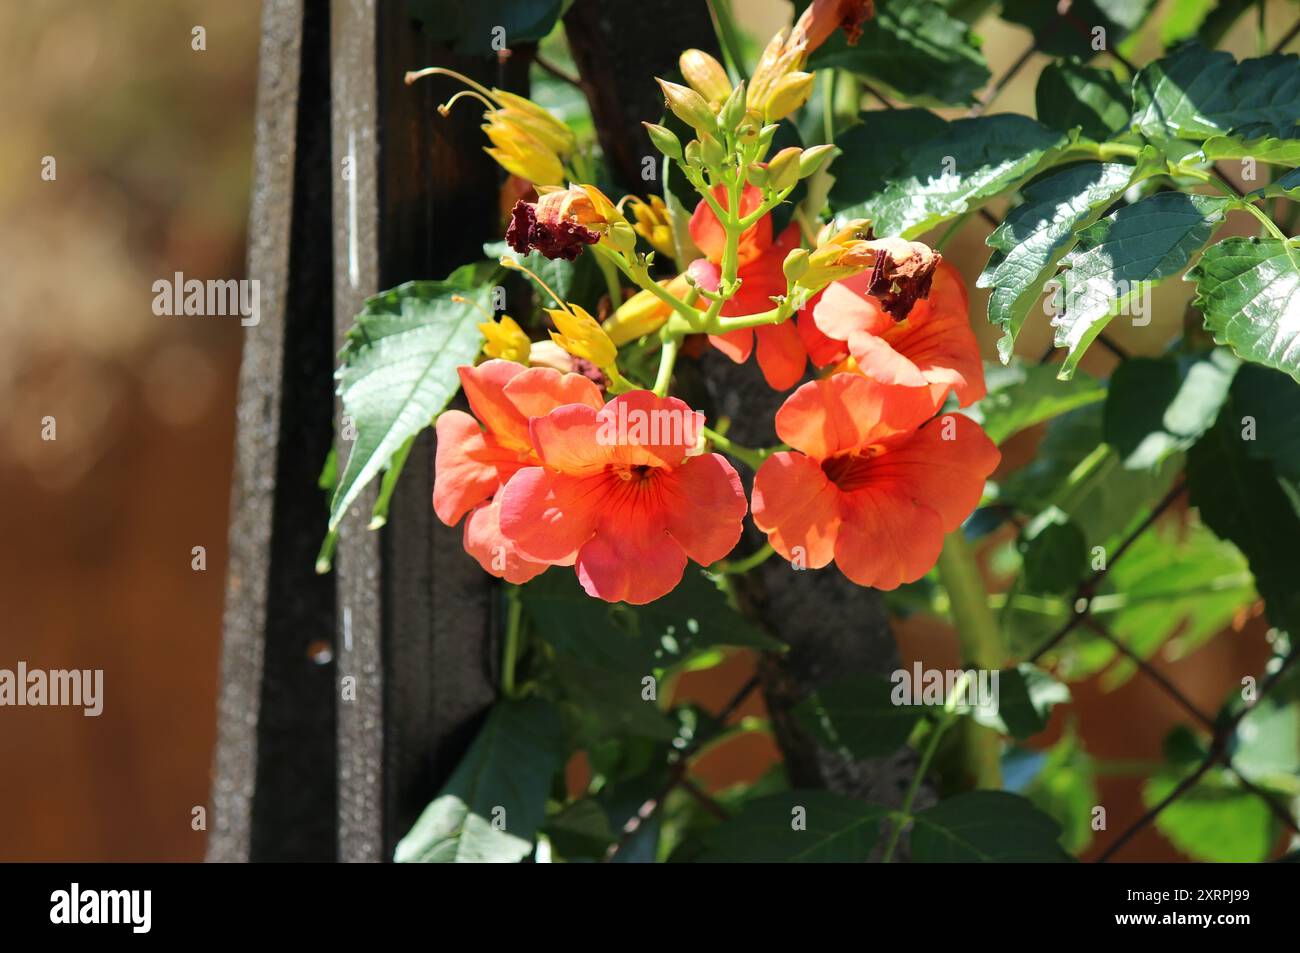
(1117, 256)
(940, 177)
(1248, 289)
(492, 806)
(835, 829)
(858, 713)
(1160, 406)
(1022, 395)
(1267, 149)
(1070, 94)
(1034, 235)
(984, 827)
(1197, 94)
(873, 148)
(1286, 186)
(916, 49)
(398, 370)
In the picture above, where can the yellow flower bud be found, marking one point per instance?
(688, 106)
(706, 76)
(643, 313)
(795, 264)
(783, 169)
(505, 339)
(653, 225)
(581, 335)
(789, 93)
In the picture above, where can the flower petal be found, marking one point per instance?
(496, 554)
(781, 356)
(821, 349)
(885, 539)
(539, 390)
(796, 505)
(635, 561)
(548, 515)
(484, 387)
(468, 466)
(844, 412)
(942, 466)
(704, 506)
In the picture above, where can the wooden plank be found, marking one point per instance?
(273, 797)
(415, 611)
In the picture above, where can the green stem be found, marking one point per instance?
(904, 815)
(667, 360)
(610, 272)
(744, 565)
(981, 644)
(747, 455)
(724, 24)
(828, 105)
(510, 651)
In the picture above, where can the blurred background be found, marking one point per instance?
(152, 143)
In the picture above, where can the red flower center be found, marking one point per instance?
(850, 471)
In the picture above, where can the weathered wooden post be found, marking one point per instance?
(310, 766)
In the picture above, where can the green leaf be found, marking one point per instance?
(1217, 820)
(1248, 289)
(1034, 235)
(637, 640)
(1022, 395)
(1071, 34)
(1288, 186)
(1160, 406)
(472, 27)
(1267, 149)
(1266, 745)
(961, 168)
(1076, 472)
(986, 826)
(1053, 552)
(1241, 500)
(398, 370)
(873, 148)
(1174, 590)
(1271, 400)
(577, 281)
(1117, 256)
(1065, 788)
(858, 713)
(1070, 94)
(1026, 696)
(916, 49)
(835, 829)
(492, 806)
(1197, 93)
(580, 830)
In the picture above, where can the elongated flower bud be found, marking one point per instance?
(814, 158)
(783, 169)
(688, 106)
(664, 140)
(706, 76)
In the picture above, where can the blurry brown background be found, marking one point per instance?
(152, 141)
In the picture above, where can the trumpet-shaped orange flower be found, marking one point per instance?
(475, 457)
(781, 355)
(934, 347)
(619, 494)
(871, 483)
